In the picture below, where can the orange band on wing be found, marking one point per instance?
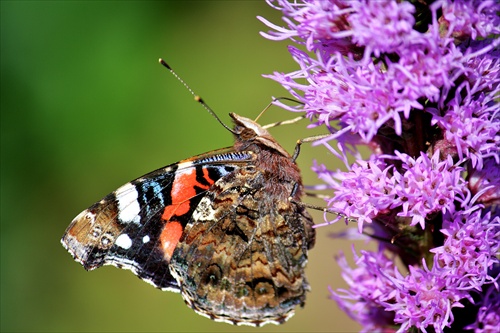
(169, 238)
(175, 209)
(183, 189)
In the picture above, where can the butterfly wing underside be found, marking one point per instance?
(137, 227)
(242, 255)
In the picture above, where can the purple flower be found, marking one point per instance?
(360, 194)
(370, 285)
(468, 254)
(472, 18)
(485, 183)
(423, 299)
(314, 22)
(390, 19)
(421, 187)
(488, 315)
(474, 134)
(427, 186)
(419, 86)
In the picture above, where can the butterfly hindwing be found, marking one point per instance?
(242, 256)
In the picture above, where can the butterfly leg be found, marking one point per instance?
(284, 122)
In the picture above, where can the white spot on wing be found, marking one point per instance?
(204, 211)
(123, 241)
(146, 239)
(128, 206)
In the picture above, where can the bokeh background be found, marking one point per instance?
(85, 107)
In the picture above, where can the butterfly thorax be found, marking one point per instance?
(275, 165)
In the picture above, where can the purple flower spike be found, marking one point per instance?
(418, 83)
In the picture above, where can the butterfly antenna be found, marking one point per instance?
(196, 97)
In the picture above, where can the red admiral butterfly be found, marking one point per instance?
(226, 229)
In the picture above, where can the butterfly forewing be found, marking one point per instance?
(131, 227)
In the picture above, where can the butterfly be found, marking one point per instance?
(226, 229)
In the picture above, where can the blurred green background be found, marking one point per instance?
(85, 107)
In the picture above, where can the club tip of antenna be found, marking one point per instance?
(161, 61)
(198, 99)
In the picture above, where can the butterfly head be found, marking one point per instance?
(247, 130)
